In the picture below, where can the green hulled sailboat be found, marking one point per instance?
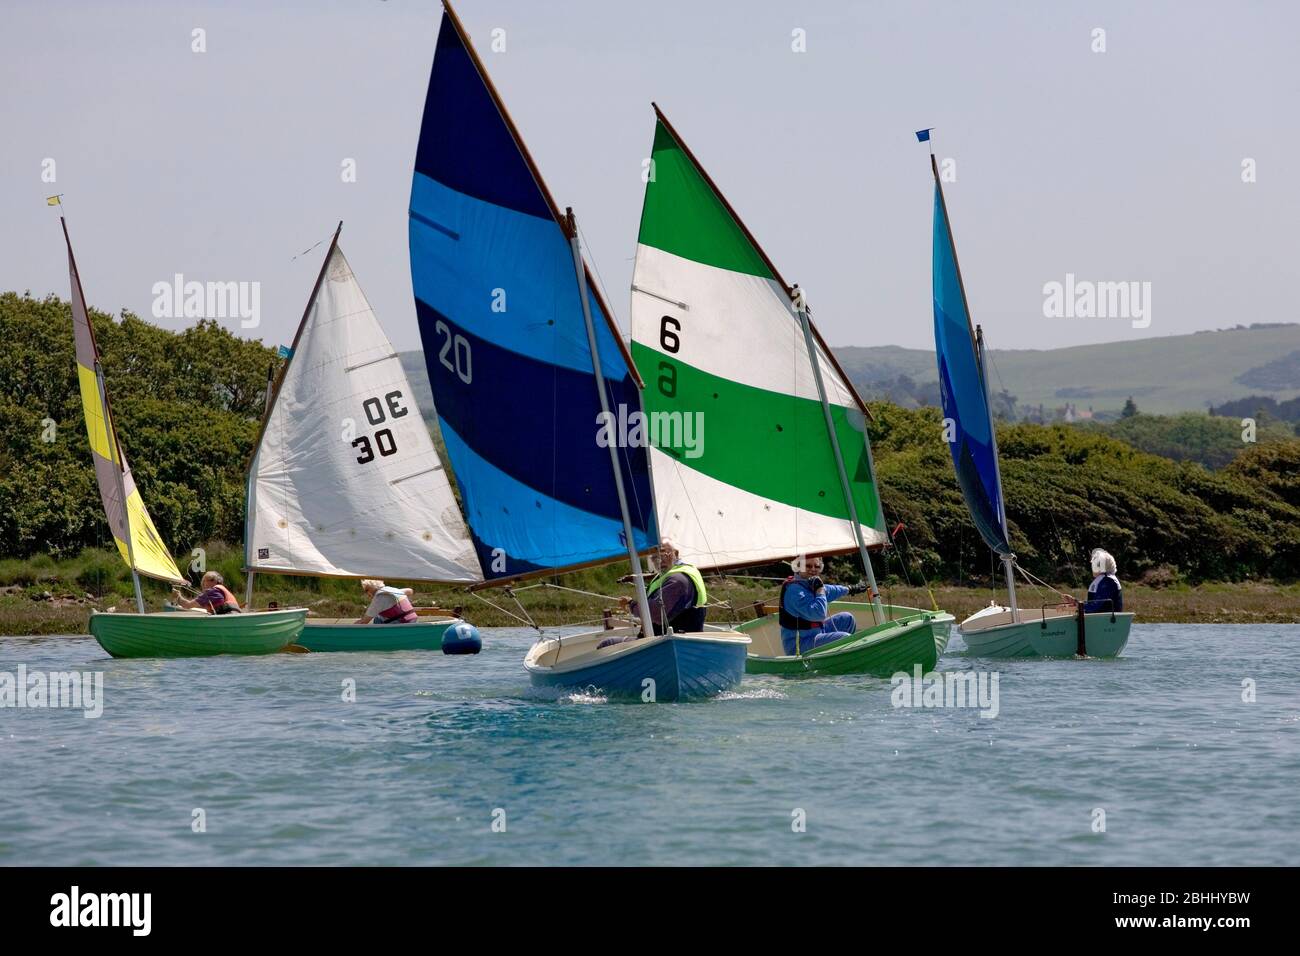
(1062, 630)
(143, 634)
(759, 450)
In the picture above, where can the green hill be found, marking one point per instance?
(1164, 375)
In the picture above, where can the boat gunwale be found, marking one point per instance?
(173, 616)
(1114, 615)
(614, 651)
(861, 639)
(424, 622)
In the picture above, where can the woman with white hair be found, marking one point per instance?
(387, 605)
(1104, 593)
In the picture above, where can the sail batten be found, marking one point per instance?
(137, 540)
(345, 481)
(505, 340)
(721, 346)
(963, 387)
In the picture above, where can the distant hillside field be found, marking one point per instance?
(1164, 375)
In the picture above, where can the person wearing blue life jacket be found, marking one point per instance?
(1105, 592)
(676, 595)
(804, 608)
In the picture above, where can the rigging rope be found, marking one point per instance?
(305, 251)
(525, 620)
(561, 587)
(1039, 581)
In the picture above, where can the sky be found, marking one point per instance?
(1122, 164)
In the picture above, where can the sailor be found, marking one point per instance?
(215, 598)
(387, 605)
(804, 606)
(676, 596)
(1104, 593)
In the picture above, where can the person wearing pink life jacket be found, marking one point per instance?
(387, 605)
(804, 608)
(215, 598)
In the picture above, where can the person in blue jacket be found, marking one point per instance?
(1105, 592)
(804, 608)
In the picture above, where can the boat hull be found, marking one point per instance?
(338, 636)
(679, 667)
(942, 628)
(1106, 635)
(196, 635)
(913, 638)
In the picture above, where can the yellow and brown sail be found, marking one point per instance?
(133, 530)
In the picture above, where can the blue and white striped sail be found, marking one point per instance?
(505, 341)
(963, 391)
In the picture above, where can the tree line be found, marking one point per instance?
(188, 406)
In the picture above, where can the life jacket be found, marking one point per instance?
(229, 603)
(692, 572)
(691, 620)
(1096, 582)
(1094, 591)
(788, 620)
(400, 613)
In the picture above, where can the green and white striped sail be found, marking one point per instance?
(719, 344)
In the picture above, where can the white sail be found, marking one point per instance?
(346, 481)
(744, 468)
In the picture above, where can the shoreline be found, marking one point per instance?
(22, 615)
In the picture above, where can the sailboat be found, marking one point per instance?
(1060, 630)
(345, 481)
(526, 364)
(144, 634)
(779, 464)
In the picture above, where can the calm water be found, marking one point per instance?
(289, 773)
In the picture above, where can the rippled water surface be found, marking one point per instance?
(435, 748)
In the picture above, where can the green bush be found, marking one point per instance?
(102, 573)
(187, 407)
(1069, 490)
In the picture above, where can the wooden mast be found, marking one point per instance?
(634, 559)
(266, 416)
(109, 426)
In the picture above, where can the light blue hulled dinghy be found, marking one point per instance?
(528, 369)
(672, 667)
(995, 631)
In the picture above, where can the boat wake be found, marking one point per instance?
(588, 696)
(758, 693)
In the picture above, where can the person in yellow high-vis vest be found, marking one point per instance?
(677, 595)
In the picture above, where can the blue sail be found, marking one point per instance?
(505, 342)
(963, 393)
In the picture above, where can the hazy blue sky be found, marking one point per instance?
(1122, 165)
